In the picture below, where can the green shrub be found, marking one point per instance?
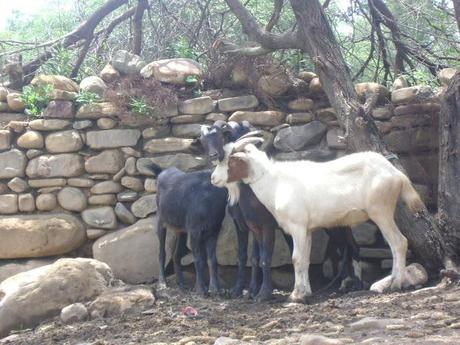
(86, 97)
(139, 106)
(36, 98)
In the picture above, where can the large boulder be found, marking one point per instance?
(126, 62)
(15, 102)
(261, 118)
(12, 164)
(197, 106)
(60, 109)
(9, 268)
(446, 74)
(297, 137)
(31, 297)
(49, 124)
(367, 90)
(61, 165)
(238, 103)
(93, 84)
(97, 110)
(30, 236)
(132, 252)
(411, 94)
(173, 71)
(58, 81)
(144, 206)
(31, 140)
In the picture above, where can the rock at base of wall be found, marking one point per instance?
(132, 253)
(31, 297)
(29, 236)
(9, 268)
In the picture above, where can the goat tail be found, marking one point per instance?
(155, 168)
(410, 195)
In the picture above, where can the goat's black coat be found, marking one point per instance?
(190, 204)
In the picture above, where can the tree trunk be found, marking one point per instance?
(449, 165)
(137, 26)
(361, 134)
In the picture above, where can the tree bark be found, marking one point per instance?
(449, 164)
(315, 37)
(137, 26)
(457, 12)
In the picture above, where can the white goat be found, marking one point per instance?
(305, 195)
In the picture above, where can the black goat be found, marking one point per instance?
(250, 213)
(190, 204)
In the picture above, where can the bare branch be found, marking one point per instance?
(278, 6)
(137, 26)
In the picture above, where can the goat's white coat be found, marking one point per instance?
(305, 195)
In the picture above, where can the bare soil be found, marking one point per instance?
(427, 316)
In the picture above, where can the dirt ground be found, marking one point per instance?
(426, 316)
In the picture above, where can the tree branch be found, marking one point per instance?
(137, 26)
(278, 6)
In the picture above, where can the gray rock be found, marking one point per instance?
(39, 235)
(121, 301)
(156, 132)
(58, 81)
(446, 74)
(144, 206)
(410, 94)
(32, 153)
(415, 276)
(26, 202)
(382, 113)
(46, 202)
(72, 199)
(313, 339)
(106, 123)
(373, 323)
(18, 185)
(137, 242)
(93, 84)
(129, 151)
(112, 138)
(326, 115)
(59, 109)
(106, 187)
(317, 155)
(5, 139)
(173, 71)
(80, 182)
(127, 196)
(60, 165)
(166, 145)
(31, 297)
(15, 102)
(238, 103)
(109, 74)
(102, 199)
(399, 83)
(297, 137)
(50, 182)
(227, 341)
(200, 105)
(189, 130)
(101, 217)
(216, 116)
(93, 234)
(127, 63)
(8, 204)
(133, 183)
(130, 166)
(187, 119)
(12, 164)
(83, 124)
(49, 124)
(124, 215)
(31, 140)
(411, 140)
(301, 104)
(65, 141)
(150, 185)
(108, 161)
(365, 234)
(182, 161)
(259, 118)
(74, 313)
(375, 253)
(97, 110)
(296, 118)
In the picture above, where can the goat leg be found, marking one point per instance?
(181, 243)
(199, 257)
(267, 245)
(161, 233)
(214, 287)
(255, 258)
(242, 234)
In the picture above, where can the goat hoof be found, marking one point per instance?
(216, 292)
(296, 297)
(253, 291)
(263, 295)
(237, 291)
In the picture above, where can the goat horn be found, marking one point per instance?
(248, 135)
(240, 144)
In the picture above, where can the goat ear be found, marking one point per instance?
(205, 129)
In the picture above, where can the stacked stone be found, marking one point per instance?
(79, 175)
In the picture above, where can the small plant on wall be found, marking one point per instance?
(86, 97)
(139, 106)
(36, 98)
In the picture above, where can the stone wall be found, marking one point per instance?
(78, 175)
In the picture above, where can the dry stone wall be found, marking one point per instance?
(78, 174)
